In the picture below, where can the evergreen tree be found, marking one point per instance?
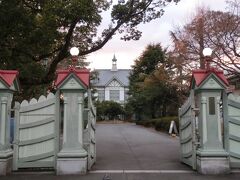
(153, 90)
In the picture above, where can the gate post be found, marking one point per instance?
(209, 86)
(8, 84)
(72, 84)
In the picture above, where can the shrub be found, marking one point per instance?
(147, 123)
(164, 123)
(109, 110)
(160, 124)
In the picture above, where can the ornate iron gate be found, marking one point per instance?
(36, 133)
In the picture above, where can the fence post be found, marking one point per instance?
(72, 158)
(209, 85)
(8, 84)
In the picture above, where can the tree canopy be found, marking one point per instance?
(34, 32)
(215, 29)
(153, 91)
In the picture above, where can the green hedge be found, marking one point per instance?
(160, 124)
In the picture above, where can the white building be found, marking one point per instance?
(112, 84)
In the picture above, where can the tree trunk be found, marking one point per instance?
(201, 42)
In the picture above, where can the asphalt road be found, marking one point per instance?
(131, 152)
(132, 147)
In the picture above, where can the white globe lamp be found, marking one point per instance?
(207, 52)
(74, 51)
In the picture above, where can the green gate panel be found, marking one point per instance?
(187, 132)
(91, 144)
(36, 133)
(233, 125)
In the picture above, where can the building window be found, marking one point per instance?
(126, 95)
(114, 95)
(211, 101)
(101, 95)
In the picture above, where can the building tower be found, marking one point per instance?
(114, 63)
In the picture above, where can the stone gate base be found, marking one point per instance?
(5, 166)
(213, 165)
(6, 160)
(71, 166)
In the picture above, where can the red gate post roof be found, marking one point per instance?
(8, 77)
(199, 75)
(82, 74)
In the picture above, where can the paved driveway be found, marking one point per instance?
(133, 147)
(130, 152)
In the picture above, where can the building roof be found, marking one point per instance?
(200, 75)
(82, 74)
(106, 75)
(8, 76)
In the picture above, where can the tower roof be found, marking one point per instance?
(106, 75)
(198, 76)
(8, 76)
(82, 74)
(114, 58)
(114, 63)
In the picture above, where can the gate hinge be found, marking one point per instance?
(195, 109)
(16, 142)
(197, 144)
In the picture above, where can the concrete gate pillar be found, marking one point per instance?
(209, 86)
(8, 84)
(72, 84)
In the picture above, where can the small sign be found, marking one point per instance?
(173, 128)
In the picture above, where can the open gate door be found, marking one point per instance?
(36, 133)
(232, 129)
(187, 132)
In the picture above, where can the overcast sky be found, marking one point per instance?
(155, 32)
